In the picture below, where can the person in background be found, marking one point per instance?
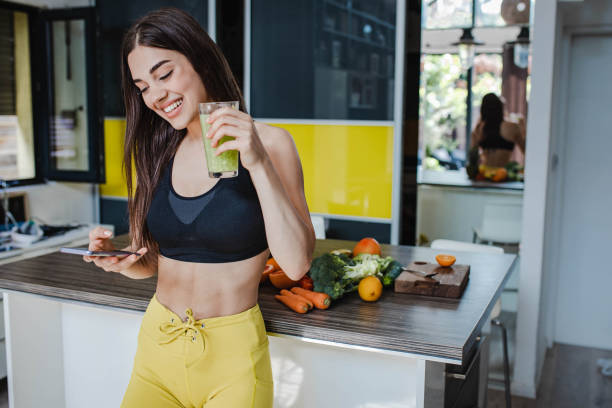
(202, 341)
(494, 136)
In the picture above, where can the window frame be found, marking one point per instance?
(95, 126)
(38, 22)
(469, 102)
(32, 13)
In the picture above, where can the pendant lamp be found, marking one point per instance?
(521, 48)
(467, 46)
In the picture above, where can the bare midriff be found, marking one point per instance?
(496, 157)
(500, 157)
(209, 289)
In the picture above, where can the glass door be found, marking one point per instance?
(73, 142)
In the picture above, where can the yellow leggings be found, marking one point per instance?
(214, 362)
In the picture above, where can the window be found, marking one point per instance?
(443, 105)
(450, 99)
(17, 160)
(65, 142)
(446, 13)
(443, 110)
(487, 13)
(487, 78)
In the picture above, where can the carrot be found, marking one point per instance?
(292, 303)
(319, 299)
(303, 299)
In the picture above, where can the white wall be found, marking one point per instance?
(583, 301)
(539, 299)
(534, 199)
(56, 203)
(580, 21)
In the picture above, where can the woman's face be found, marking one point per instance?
(168, 84)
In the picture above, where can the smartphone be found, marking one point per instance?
(85, 251)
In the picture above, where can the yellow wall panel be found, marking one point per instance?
(347, 169)
(114, 136)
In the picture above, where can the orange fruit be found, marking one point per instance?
(367, 246)
(280, 280)
(500, 174)
(272, 262)
(445, 260)
(370, 288)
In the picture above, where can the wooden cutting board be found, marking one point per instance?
(447, 282)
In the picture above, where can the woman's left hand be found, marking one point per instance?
(240, 126)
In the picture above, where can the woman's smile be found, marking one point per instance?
(173, 108)
(168, 84)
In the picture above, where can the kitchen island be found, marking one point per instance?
(71, 336)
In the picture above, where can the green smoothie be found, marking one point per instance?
(224, 165)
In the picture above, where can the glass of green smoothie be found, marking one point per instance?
(226, 164)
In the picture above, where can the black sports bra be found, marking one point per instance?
(496, 142)
(225, 224)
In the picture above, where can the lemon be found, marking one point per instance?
(370, 288)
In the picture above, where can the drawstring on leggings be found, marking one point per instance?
(175, 329)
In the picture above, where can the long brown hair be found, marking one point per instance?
(150, 141)
(492, 114)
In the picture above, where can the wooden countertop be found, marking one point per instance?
(459, 178)
(436, 328)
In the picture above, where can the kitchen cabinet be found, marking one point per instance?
(403, 350)
(76, 237)
(345, 48)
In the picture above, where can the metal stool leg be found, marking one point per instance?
(498, 323)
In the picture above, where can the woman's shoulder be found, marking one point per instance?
(269, 131)
(274, 136)
(510, 130)
(510, 126)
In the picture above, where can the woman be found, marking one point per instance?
(202, 340)
(495, 136)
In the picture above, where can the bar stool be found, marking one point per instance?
(501, 224)
(449, 245)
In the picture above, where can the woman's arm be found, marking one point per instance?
(130, 266)
(279, 182)
(521, 135)
(138, 269)
(274, 165)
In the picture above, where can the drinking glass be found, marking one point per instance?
(226, 164)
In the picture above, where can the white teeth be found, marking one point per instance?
(173, 106)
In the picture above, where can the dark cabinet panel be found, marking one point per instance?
(323, 59)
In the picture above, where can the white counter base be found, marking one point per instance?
(71, 354)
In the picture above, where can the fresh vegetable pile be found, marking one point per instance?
(296, 295)
(334, 274)
(337, 273)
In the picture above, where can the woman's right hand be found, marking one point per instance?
(100, 240)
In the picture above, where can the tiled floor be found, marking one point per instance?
(570, 379)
